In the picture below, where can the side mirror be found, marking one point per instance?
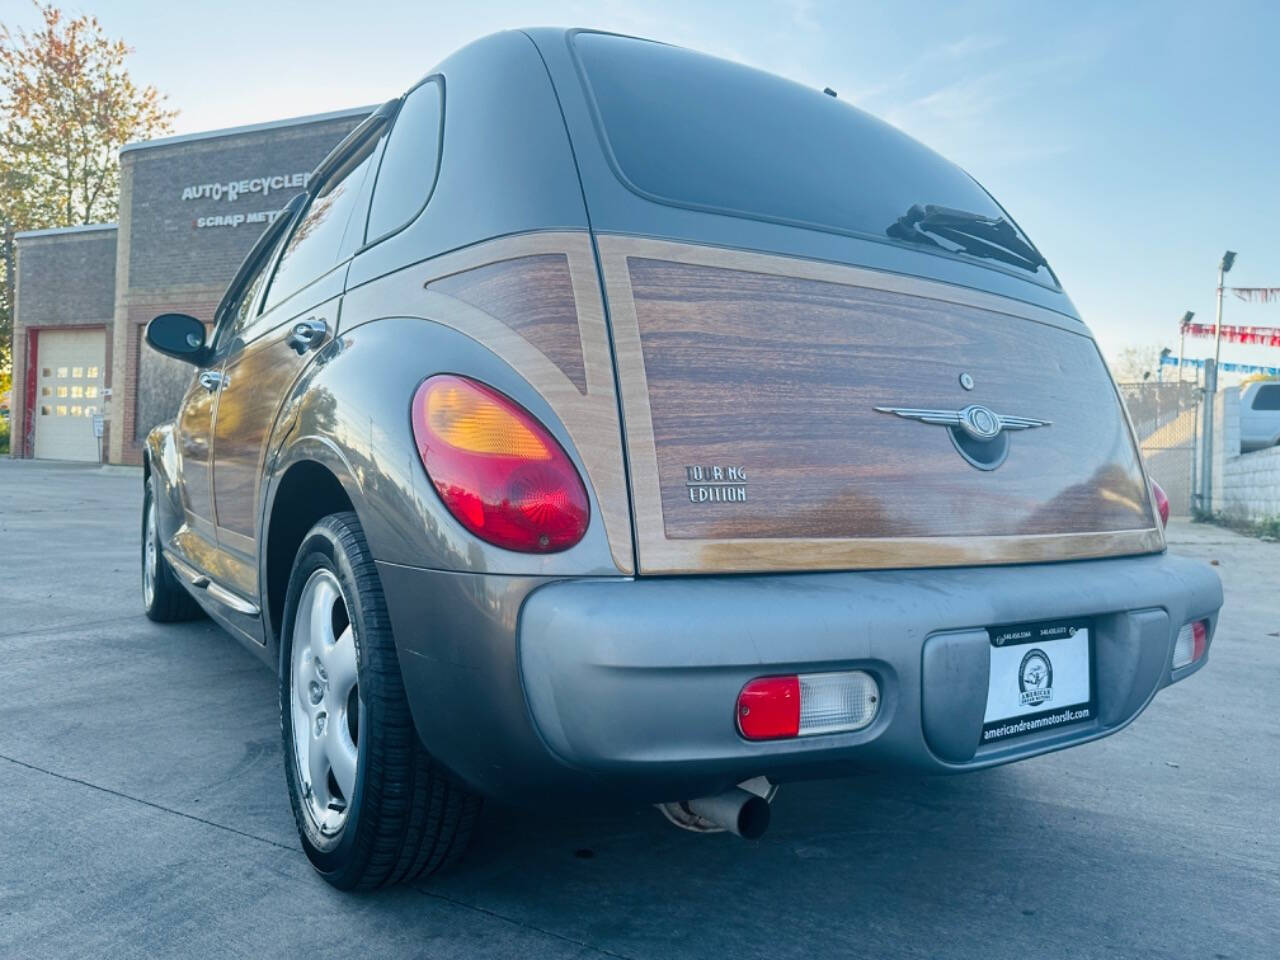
(178, 335)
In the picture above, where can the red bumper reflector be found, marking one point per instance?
(1192, 641)
(1162, 503)
(769, 708)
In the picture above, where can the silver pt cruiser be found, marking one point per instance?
(608, 422)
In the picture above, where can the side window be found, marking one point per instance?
(410, 163)
(239, 316)
(1267, 398)
(314, 246)
(353, 236)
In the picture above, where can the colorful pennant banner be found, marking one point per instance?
(1257, 294)
(1233, 333)
(1169, 361)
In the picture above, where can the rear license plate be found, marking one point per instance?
(1041, 678)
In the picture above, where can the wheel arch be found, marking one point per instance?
(311, 481)
(160, 461)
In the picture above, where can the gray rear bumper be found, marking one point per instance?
(630, 686)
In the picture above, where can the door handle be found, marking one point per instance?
(308, 334)
(211, 380)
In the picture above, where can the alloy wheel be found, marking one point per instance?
(150, 557)
(324, 703)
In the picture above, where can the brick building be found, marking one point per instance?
(190, 208)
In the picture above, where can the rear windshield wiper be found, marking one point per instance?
(959, 231)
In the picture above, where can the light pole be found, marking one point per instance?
(1211, 390)
(1228, 260)
(1182, 340)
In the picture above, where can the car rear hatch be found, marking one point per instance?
(782, 414)
(834, 349)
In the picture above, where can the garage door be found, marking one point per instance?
(68, 393)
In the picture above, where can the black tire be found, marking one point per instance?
(169, 601)
(408, 816)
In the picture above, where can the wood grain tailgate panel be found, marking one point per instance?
(780, 377)
(771, 368)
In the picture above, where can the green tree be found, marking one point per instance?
(67, 105)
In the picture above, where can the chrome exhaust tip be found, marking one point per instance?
(737, 811)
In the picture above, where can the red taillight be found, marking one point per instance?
(769, 708)
(1162, 503)
(497, 469)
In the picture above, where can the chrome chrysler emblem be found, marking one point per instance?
(979, 422)
(973, 423)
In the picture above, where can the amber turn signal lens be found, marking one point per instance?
(496, 468)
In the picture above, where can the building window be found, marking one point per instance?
(46, 391)
(90, 392)
(77, 410)
(62, 373)
(62, 410)
(62, 391)
(77, 372)
(46, 411)
(77, 391)
(92, 373)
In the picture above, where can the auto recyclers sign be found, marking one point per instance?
(233, 190)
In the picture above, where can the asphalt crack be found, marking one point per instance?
(146, 803)
(69, 627)
(483, 911)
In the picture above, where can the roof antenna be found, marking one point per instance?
(828, 91)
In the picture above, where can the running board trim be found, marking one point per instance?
(219, 593)
(229, 599)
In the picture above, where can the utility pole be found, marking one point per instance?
(1206, 450)
(1182, 341)
(1211, 387)
(1224, 267)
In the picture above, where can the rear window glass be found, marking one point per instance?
(1267, 398)
(692, 130)
(409, 164)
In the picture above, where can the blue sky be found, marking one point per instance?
(1133, 141)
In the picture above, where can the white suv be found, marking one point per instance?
(1260, 416)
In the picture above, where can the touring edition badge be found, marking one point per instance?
(716, 484)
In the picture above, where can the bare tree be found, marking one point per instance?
(1135, 364)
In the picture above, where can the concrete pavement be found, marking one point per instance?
(140, 772)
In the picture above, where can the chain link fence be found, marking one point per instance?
(1166, 418)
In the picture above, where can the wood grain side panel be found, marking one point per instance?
(534, 297)
(773, 366)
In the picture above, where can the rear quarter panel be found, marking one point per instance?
(351, 412)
